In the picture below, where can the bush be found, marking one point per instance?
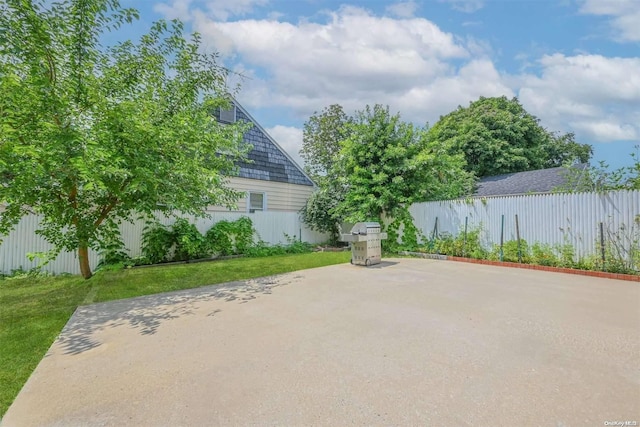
(512, 252)
(447, 244)
(293, 246)
(544, 254)
(230, 237)
(410, 233)
(157, 241)
(189, 243)
(566, 255)
(219, 238)
(113, 253)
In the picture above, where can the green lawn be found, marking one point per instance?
(34, 310)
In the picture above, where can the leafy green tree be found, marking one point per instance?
(321, 139)
(321, 143)
(92, 136)
(600, 177)
(562, 149)
(388, 164)
(498, 136)
(320, 213)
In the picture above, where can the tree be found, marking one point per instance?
(600, 177)
(498, 136)
(90, 137)
(321, 139)
(321, 142)
(562, 149)
(388, 164)
(320, 213)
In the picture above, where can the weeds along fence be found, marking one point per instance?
(271, 227)
(555, 219)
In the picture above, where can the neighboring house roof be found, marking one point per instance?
(536, 181)
(267, 161)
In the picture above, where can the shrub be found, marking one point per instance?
(157, 242)
(189, 243)
(231, 237)
(409, 240)
(566, 255)
(512, 252)
(447, 244)
(293, 246)
(543, 254)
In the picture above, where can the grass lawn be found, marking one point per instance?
(34, 310)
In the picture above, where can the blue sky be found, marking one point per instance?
(575, 64)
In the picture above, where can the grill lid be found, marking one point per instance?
(365, 228)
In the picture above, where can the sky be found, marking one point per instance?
(574, 64)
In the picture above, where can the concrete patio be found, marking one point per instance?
(407, 342)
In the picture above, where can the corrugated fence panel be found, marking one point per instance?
(553, 219)
(271, 227)
(22, 241)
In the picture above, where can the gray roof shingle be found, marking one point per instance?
(536, 181)
(267, 161)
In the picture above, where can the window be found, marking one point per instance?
(256, 202)
(228, 116)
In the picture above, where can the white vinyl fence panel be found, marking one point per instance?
(271, 227)
(543, 218)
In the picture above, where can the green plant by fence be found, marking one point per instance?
(599, 231)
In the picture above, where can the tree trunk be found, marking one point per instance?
(83, 257)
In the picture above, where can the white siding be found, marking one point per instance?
(281, 197)
(543, 218)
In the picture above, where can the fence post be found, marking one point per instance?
(434, 235)
(602, 252)
(502, 240)
(518, 237)
(464, 245)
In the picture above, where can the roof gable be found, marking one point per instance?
(267, 161)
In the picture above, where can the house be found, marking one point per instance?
(270, 179)
(530, 182)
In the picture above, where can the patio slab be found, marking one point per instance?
(407, 342)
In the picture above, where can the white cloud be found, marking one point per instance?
(177, 9)
(355, 58)
(606, 130)
(625, 16)
(406, 9)
(217, 9)
(467, 6)
(608, 7)
(310, 65)
(444, 94)
(290, 139)
(593, 95)
(223, 9)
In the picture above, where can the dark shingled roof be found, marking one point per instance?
(267, 160)
(536, 181)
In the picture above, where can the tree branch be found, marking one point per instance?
(113, 201)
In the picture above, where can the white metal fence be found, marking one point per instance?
(270, 226)
(544, 218)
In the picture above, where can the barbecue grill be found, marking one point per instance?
(365, 238)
